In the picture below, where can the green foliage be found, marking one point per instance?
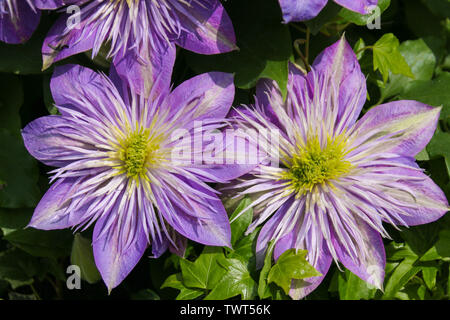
(387, 57)
(264, 45)
(83, 256)
(291, 265)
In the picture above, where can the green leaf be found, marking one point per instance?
(429, 276)
(264, 46)
(11, 99)
(19, 172)
(359, 48)
(237, 281)
(364, 19)
(441, 249)
(15, 218)
(387, 57)
(422, 62)
(244, 249)
(400, 277)
(240, 225)
(433, 92)
(327, 14)
(351, 287)
(263, 288)
(438, 146)
(83, 256)
(24, 58)
(439, 7)
(176, 281)
(18, 268)
(205, 272)
(40, 243)
(292, 264)
(145, 294)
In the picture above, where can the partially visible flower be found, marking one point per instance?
(117, 167)
(18, 20)
(301, 10)
(141, 34)
(340, 179)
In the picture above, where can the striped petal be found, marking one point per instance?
(370, 264)
(400, 127)
(360, 6)
(207, 27)
(19, 28)
(339, 63)
(51, 214)
(112, 261)
(301, 10)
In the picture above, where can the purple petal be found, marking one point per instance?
(114, 263)
(423, 200)
(267, 92)
(207, 28)
(407, 125)
(55, 4)
(208, 225)
(50, 213)
(19, 29)
(58, 45)
(370, 266)
(361, 6)
(147, 72)
(45, 140)
(301, 10)
(339, 62)
(209, 95)
(85, 91)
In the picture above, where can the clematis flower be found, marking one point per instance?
(117, 165)
(339, 179)
(301, 10)
(141, 34)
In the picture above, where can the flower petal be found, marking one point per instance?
(55, 4)
(19, 29)
(369, 266)
(339, 63)
(81, 89)
(207, 27)
(301, 10)
(208, 224)
(50, 213)
(209, 95)
(400, 127)
(147, 71)
(45, 140)
(113, 263)
(361, 6)
(61, 43)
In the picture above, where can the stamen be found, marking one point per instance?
(316, 165)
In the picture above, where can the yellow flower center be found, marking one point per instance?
(315, 164)
(138, 152)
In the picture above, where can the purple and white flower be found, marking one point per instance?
(116, 165)
(340, 179)
(141, 34)
(301, 10)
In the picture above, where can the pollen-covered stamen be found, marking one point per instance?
(138, 152)
(317, 164)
